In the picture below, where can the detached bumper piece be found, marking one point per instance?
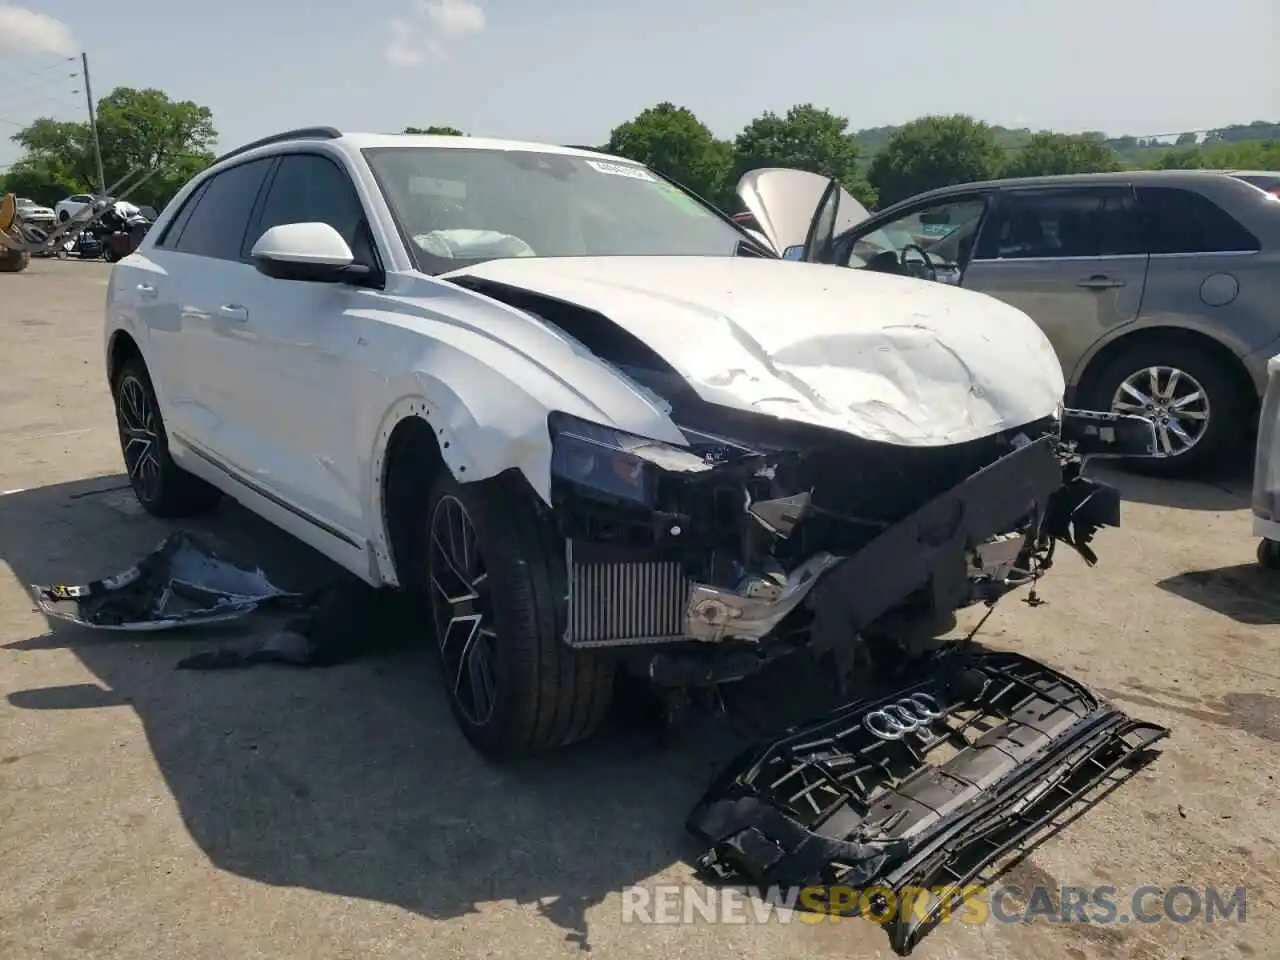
(934, 787)
(181, 583)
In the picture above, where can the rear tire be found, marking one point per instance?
(485, 540)
(163, 488)
(1226, 403)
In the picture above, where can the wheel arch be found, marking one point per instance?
(121, 346)
(408, 458)
(1086, 379)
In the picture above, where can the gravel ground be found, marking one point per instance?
(279, 813)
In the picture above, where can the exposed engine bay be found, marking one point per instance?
(766, 535)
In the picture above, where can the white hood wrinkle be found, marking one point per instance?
(885, 358)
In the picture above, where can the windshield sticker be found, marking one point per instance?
(622, 170)
(435, 187)
(680, 199)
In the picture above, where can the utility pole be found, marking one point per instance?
(93, 123)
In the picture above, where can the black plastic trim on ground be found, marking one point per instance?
(854, 800)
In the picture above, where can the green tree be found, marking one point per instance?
(677, 144)
(1223, 154)
(934, 152)
(143, 130)
(1185, 139)
(806, 138)
(1051, 153)
(436, 131)
(1180, 158)
(140, 132)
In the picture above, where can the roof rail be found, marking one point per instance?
(302, 133)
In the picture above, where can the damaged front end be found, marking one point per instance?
(764, 536)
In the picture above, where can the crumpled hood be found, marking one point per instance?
(885, 358)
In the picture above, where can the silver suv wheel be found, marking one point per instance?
(1173, 398)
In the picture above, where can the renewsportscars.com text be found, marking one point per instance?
(1104, 905)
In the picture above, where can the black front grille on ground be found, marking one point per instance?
(1018, 751)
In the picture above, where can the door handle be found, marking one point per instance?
(1099, 281)
(147, 291)
(233, 311)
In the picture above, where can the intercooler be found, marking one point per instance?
(615, 604)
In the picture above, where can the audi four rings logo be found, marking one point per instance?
(908, 715)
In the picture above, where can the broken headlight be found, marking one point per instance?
(607, 461)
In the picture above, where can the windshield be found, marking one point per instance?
(457, 206)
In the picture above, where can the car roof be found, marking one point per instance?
(353, 142)
(1185, 178)
(1140, 177)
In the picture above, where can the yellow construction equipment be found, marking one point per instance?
(13, 258)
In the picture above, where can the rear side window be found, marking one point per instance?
(220, 216)
(1183, 221)
(174, 230)
(308, 188)
(1085, 222)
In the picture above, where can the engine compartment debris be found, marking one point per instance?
(930, 787)
(183, 582)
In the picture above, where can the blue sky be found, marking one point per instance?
(569, 70)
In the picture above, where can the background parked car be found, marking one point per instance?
(1158, 288)
(68, 208)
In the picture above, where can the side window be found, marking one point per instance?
(1182, 221)
(1092, 222)
(943, 230)
(308, 188)
(173, 232)
(219, 218)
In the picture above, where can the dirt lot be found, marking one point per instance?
(279, 813)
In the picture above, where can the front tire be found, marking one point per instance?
(163, 488)
(1193, 398)
(496, 583)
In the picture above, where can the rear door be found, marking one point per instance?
(201, 297)
(147, 285)
(1073, 258)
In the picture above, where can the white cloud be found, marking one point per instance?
(24, 30)
(429, 27)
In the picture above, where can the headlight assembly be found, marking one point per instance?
(611, 462)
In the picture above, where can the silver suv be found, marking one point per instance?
(1160, 290)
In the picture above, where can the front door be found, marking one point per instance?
(299, 345)
(1074, 259)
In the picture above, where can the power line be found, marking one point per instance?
(40, 72)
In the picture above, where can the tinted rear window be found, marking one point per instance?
(1183, 221)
